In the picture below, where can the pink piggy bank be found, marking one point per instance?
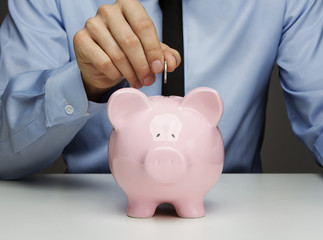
(166, 149)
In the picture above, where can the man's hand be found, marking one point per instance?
(120, 42)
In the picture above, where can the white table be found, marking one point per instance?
(92, 206)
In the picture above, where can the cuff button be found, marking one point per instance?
(69, 109)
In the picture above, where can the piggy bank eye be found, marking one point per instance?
(173, 135)
(158, 135)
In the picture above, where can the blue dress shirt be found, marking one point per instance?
(229, 45)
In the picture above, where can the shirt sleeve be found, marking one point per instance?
(43, 102)
(300, 59)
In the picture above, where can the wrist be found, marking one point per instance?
(93, 93)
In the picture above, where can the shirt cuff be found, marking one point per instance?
(318, 150)
(65, 97)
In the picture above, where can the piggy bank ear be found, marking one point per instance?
(207, 102)
(125, 102)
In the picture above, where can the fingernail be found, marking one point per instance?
(138, 85)
(157, 66)
(148, 81)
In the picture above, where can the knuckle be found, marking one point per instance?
(143, 70)
(116, 76)
(130, 41)
(131, 77)
(119, 57)
(143, 23)
(104, 65)
(177, 54)
(178, 58)
(90, 23)
(106, 10)
(120, 3)
(78, 38)
(154, 51)
(103, 9)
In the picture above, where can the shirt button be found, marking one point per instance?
(69, 109)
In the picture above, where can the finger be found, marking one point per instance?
(128, 42)
(88, 52)
(172, 57)
(104, 39)
(144, 28)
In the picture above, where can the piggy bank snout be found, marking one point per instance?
(165, 165)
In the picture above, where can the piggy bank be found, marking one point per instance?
(165, 149)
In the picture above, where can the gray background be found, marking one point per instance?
(282, 152)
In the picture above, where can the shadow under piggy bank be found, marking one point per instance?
(165, 149)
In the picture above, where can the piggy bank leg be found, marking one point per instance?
(141, 209)
(190, 209)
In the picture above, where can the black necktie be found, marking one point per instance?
(173, 37)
